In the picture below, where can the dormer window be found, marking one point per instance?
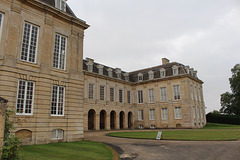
(195, 73)
(151, 75)
(119, 73)
(109, 72)
(90, 67)
(175, 70)
(140, 77)
(162, 73)
(100, 69)
(61, 4)
(126, 75)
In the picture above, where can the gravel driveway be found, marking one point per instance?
(138, 149)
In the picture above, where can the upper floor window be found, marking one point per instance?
(1, 20)
(90, 91)
(178, 113)
(152, 114)
(176, 92)
(100, 69)
(126, 75)
(199, 94)
(29, 43)
(162, 73)
(112, 94)
(151, 96)
(128, 97)
(59, 58)
(163, 94)
(140, 76)
(61, 4)
(175, 70)
(196, 95)
(102, 88)
(110, 74)
(57, 107)
(25, 97)
(191, 90)
(140, 96)
(151, 75)
(120, 95)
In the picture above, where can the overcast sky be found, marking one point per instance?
(136, 34)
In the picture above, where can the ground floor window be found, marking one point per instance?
(25, 97)
(178, 114)
(58, 96)
(152, 114)
(164, 114)
(57, 134)
(140, 115)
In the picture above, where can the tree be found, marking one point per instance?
(230, 102)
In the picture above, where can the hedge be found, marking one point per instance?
(224, 119)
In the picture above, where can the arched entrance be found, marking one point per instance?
(130, 120)
(103, 116)
(113, 120)
(121, 119)
(91, 119)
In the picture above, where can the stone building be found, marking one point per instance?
(166, 96)
(57, 95)
(41, 75)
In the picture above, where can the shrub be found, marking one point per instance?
(225, 119)
(12, 144)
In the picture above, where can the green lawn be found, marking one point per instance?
(82, 150)
(213, 132)
(221, 126)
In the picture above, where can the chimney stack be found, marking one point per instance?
(165, 61)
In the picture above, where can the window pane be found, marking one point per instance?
(120, 96)
(163, 94)
(129, 96)
(90, 92)
(101, 92)
(112, 94)
(59, 52)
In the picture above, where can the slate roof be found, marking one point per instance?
(52, 3)
(133, 76)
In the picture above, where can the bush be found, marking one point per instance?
(224, 119)
(12, 144)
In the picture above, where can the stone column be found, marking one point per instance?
(3, 107)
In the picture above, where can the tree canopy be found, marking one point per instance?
(230, 102)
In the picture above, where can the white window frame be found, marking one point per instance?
(90, 67)
(164, 113)
(194, 113)
(140, 77)
(112, 98)
(162, 73)
(151, 95)
(25, 97)
(196, 94)
(129, 97)
(60, 52)
(163, 94)
(1, 23)
(102, 92)
(175, 70)
(151, 75)
(199, 94)
(191, 90)
(61, 4)
(178, 113)
(58, 102)
(176, 92)
(57, 134)
(140, 115)
(120, 95)
(91, 91)
(140, 97)
(29, 40)
(152, 114)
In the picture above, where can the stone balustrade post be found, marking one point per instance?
(3, 107)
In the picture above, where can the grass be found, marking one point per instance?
(221, 126)
(82, 150)
(214, 133)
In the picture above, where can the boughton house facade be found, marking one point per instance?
(57, 95)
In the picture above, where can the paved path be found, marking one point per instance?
(168, 150)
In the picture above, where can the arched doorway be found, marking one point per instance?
(130, 120)
(103, 116)
(91, 119)
(113, 120)
(122, 119)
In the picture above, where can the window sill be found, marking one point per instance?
(23, 114)
(64, 71)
